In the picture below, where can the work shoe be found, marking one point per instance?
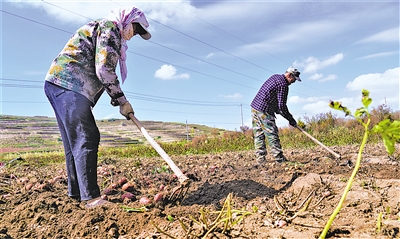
(261, 161)
(280, 159)
(96, 203)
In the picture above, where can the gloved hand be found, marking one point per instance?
(126, 109)
(293, 123)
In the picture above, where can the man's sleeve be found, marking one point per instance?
(282, 103)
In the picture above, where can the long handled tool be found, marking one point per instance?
(316, 141)
(179, 192)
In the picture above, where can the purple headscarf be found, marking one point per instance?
(123, 17)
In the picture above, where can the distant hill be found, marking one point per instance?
(30, 131)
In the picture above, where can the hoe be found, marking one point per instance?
(316, 141)
(178, 193)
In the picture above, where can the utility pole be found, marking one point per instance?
(241, 113)
(187, 131)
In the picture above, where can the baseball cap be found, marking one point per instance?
(294, 72)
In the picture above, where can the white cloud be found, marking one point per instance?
(312, 64)
(168, 72)
(328, 78)
(318, 107)
(286, 38)
(381, 54)
(210, 55)
(78, 11)
(383, 87)
(316, 76)
(235, 96)
(390, 35)
(322, 78)
(297, 99)
(110, 116)
(384, 82)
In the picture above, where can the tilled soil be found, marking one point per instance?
(291, 200)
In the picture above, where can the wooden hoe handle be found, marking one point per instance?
(316, 141)
(181, 177)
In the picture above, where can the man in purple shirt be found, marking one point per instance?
(271, 99)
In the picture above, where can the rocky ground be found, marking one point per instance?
(292, 200)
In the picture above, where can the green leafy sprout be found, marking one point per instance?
(389, 130)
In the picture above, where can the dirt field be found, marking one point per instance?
(45, 211)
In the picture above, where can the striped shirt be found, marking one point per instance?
(88, 61)
(272, 97)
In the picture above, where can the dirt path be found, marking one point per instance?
(277, 194)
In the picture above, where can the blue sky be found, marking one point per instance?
(207, 59)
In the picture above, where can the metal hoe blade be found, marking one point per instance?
(180, 191)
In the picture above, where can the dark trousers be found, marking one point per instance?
(80, 137)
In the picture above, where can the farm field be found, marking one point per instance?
(24, 134)
(34, 201)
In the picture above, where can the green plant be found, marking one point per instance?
(170, 218)
(389, 130)
(132, 209)
(379, 223)
(162, 169)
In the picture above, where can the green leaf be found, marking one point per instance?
(360, 112)
(365, 98)
(364, 93)
(390, 132)
(131, 209)
(389, 144)
(170, 218)
(338, 106)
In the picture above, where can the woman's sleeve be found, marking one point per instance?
(108, 45)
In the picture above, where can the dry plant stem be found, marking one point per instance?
(349, 184)
(306, 200)
(183, 225)
(187, 230)
(218, 220)
(229, 214)
(317, 203)
(301, 191)
(302, 210)
(162, 232)
(278, 204)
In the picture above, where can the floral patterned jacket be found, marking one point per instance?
(88, 61)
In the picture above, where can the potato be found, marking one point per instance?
(114, 185)
(326, 194)
(280, 223)
(127, 195)
(127, 186)
(158, 197)
(144, 200)
(122, 181)
(22, 180)
(28, 186)
(108, 191)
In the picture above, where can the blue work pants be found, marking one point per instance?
(81, 138)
